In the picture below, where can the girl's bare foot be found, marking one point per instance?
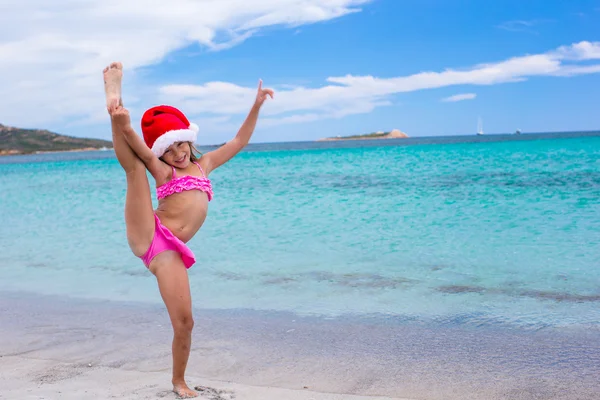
(112, 84)
(183, 391)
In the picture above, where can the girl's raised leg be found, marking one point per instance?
(139, 213)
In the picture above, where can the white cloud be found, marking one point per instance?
(350, 94)
(523, 25)
(460, 97)
(578, 52)
(52, 52)
(518, 26)
(292, 119)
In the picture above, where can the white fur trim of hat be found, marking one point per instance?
(168, 138)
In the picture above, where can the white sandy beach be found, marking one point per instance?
(26, 378)
(56, 347)
(64, 348)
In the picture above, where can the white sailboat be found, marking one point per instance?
(479, 127)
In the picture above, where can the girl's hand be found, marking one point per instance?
(120, 115)
(262, 94)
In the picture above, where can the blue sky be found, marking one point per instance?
(373, 50)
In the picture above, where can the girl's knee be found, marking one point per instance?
(183, 324)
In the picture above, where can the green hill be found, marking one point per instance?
(26, 141)
(394, 134)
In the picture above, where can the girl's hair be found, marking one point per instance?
(193, 151)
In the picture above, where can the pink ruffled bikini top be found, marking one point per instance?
(183, 183)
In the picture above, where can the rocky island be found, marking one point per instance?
(394, 134)
(26, 141)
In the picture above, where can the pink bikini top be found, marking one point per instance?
(183, 183)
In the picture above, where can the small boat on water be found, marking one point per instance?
(479, 127)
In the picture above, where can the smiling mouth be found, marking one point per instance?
(180, 160)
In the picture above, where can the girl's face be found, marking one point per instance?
(178, 155)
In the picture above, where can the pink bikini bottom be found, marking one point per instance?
(164, 240)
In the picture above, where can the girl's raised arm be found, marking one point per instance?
(220, 156)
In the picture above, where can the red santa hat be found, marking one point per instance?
(164, 125)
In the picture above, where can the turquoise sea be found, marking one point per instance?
(493, 231)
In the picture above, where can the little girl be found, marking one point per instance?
(158, 236)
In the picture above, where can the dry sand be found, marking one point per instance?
(28, 379)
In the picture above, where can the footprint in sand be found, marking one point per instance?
(214, 394)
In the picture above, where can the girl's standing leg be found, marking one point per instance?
(174, 287)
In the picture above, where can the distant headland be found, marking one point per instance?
(394, 134)
(27, 141)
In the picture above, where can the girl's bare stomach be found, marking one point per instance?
(183, 213)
